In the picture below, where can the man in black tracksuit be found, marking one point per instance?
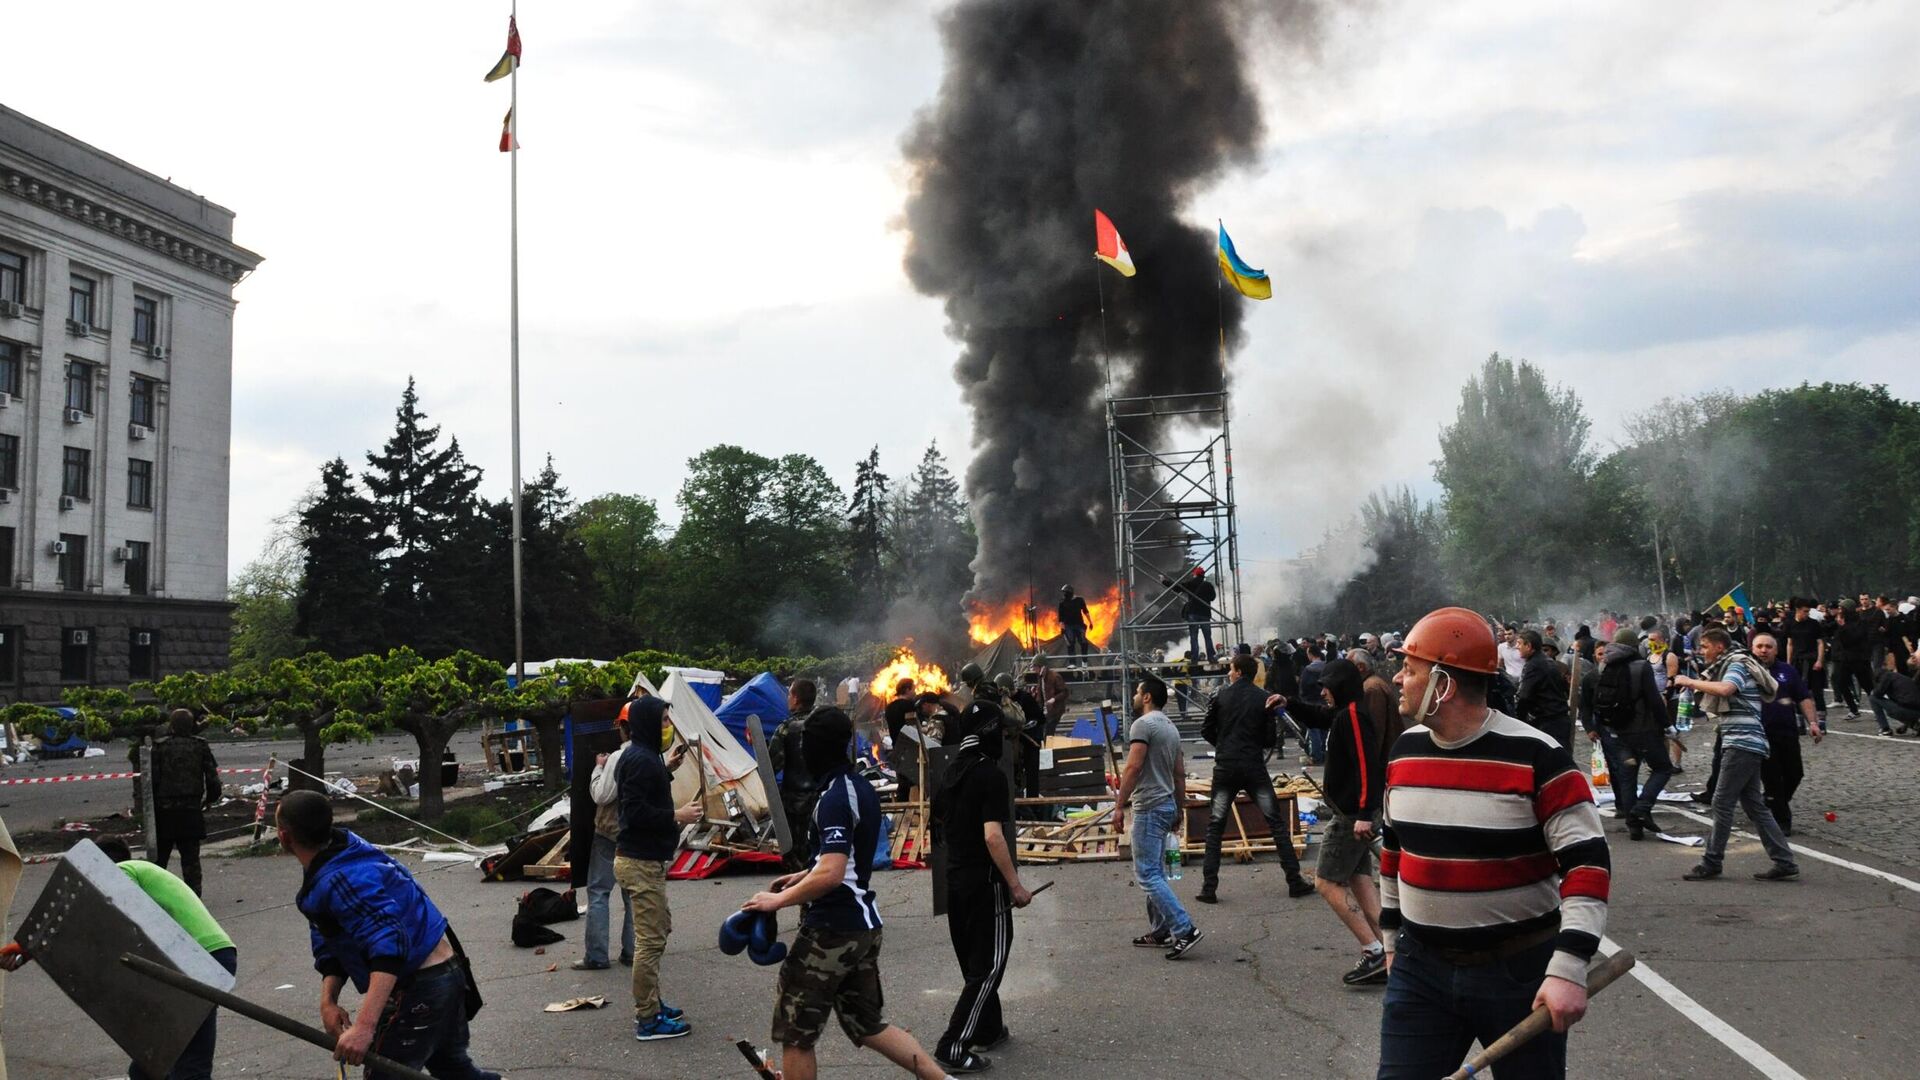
(1240, 727)
(973, 820)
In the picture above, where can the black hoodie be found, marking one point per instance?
(1356, 772)
(647, 828)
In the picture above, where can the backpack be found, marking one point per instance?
(1613, 703)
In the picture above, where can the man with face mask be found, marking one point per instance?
(1495, 874)
(973, 821)
(833, 968)
(649, 832)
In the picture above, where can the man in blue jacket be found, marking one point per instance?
(649, 833)
(372, 924)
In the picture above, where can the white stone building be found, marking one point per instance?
(116, 376)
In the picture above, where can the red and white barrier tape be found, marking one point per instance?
(102, 776)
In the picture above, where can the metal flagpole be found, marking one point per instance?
(513, 317)
(1106, 352)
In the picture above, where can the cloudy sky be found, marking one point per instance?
(1646, 199)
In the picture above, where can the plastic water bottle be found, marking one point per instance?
(1173, 856)
(1683, 716)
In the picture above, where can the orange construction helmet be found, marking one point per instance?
(1456, 637)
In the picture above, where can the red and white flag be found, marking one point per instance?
(1108, 247)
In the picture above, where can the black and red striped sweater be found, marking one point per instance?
(1490, 838)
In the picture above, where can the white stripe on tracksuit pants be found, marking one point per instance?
(980, 921)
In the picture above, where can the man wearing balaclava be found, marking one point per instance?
(833, 968)
(649, 832)
(186, 780)
(1354, 783)
(972, 821)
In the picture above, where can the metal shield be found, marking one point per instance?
(89, 914)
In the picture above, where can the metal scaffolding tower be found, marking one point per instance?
(1171, 464)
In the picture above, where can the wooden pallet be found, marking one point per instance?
(553, 866)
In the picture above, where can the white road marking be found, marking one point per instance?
(1876, 738)
(1802, 849)
(1752, 1052)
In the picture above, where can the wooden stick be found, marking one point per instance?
(284, 1025)
(1599, 976)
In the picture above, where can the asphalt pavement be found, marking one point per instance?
(1743, 978)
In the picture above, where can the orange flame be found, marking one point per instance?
(986, 622)
(927, 678)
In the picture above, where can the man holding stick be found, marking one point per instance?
(1495, 875)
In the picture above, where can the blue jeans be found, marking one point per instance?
(1739, 785)
(425, 1026)
(600, 887)
(196, 1061)
(1317, 745)
(1435, 1010)
(1196, 628)
(1150, 829)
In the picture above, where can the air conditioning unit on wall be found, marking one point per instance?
(79, 637)
(66, 503)
(158, 352)
(143, 638)
(74, 416)
(137, 431)
(11, 310)
(78, 328)
(57, 547)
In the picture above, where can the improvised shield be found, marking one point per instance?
(782, 828)
(89, 914)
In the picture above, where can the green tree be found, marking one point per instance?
(339, 608)
(424, 505)
(932, 534)
(561, 615)
(867, 535)
(431, 700)
(1515, 469)
(625, 550)
(1404, 576)
(266, 599)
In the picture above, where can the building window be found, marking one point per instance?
(140, 483)
(80, 299)
(9, 369)
(142, 410)
(13, 276)
(146, 320)
(9, 657)
(142, 654)
(137, 553)
(6, 556)
(73, 562)
(80, 386)
(76, 654)
(10, 461)
(77, 476)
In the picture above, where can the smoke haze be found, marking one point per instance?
(1048, 111)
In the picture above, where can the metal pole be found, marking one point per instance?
(513, 317)
(1106, 351)
(146, 796)
(283, 1024)
(1659, 568)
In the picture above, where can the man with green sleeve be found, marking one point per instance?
(180, 902)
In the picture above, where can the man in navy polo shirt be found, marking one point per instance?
(834, 965)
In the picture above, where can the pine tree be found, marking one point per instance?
(933, 534)
(339, 610)
(434, 535)
(867, 532)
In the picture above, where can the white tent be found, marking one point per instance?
(724, 761)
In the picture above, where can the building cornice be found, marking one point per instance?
(224, 260)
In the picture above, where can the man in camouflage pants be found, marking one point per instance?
(834, 965)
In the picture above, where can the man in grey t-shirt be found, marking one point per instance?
(1154, 783)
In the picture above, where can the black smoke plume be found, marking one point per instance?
(1049, 109)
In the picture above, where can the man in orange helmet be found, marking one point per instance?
(1495, 874)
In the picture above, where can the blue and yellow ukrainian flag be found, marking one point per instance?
(1737, 598)
(1249, 282)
